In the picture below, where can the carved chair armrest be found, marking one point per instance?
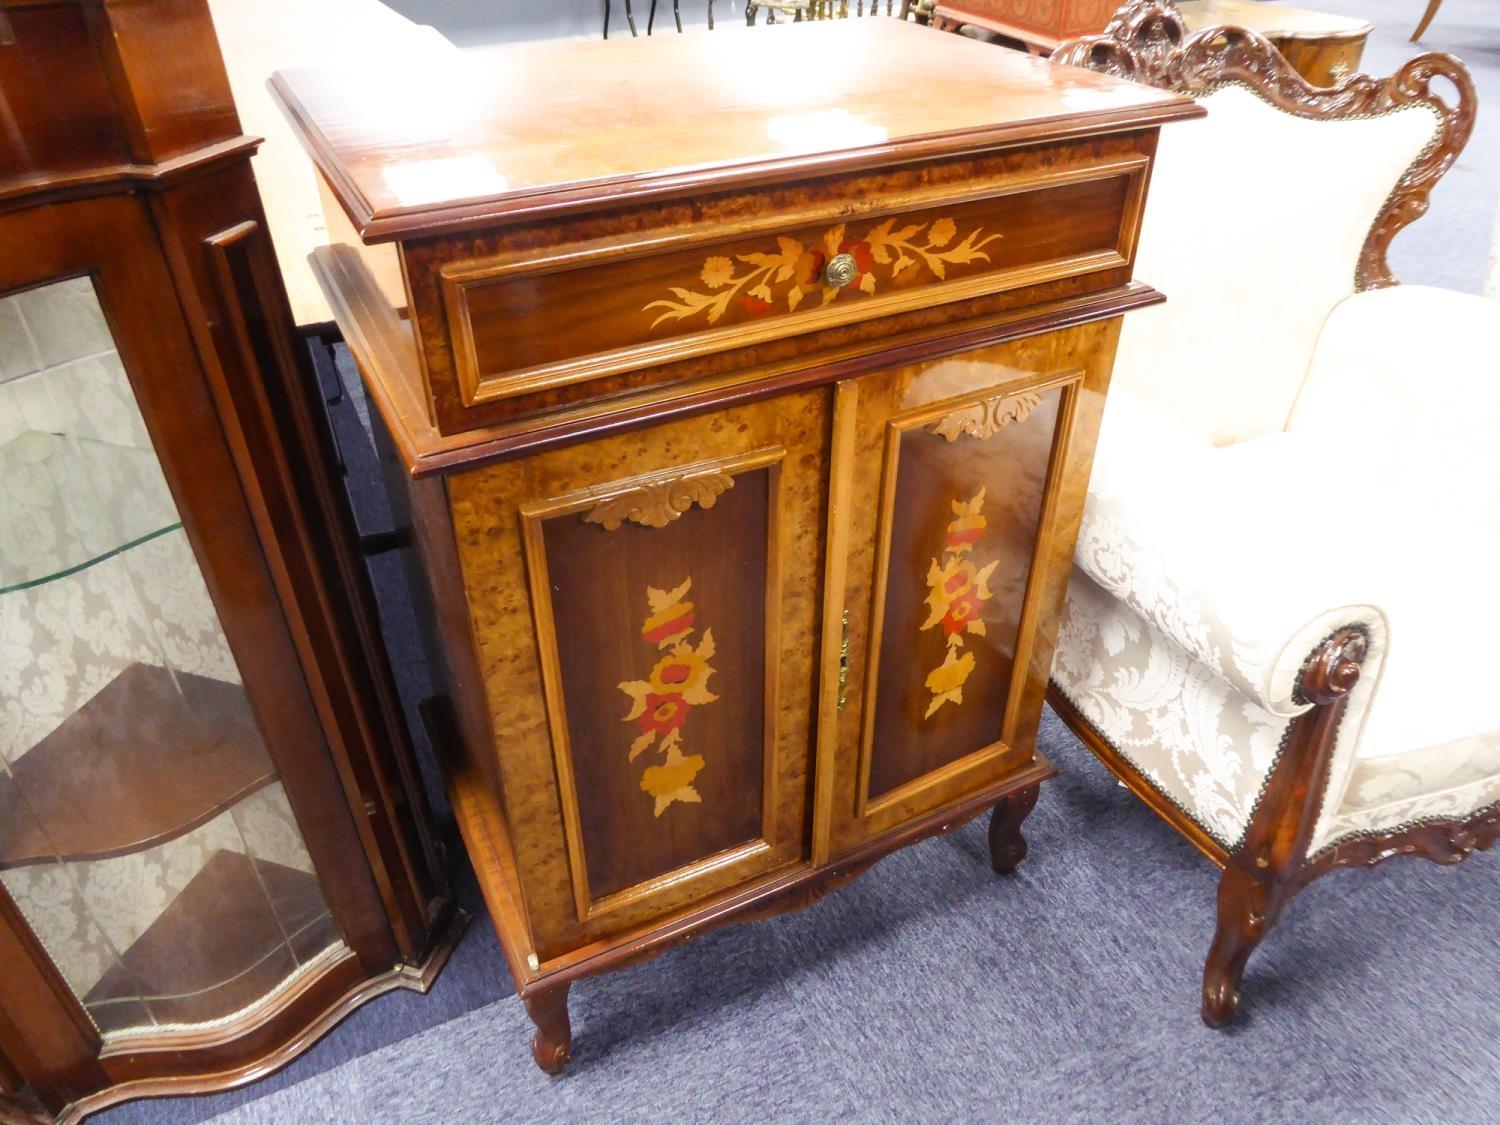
(1225, 551)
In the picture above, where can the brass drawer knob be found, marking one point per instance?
(842, 269)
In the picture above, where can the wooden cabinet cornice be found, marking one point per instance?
(740, 390)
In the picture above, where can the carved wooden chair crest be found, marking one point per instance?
(1148, 42)
(1254, 641)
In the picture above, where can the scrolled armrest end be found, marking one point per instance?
(1334, 667)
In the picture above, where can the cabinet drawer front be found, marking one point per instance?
(522, 325)
(667, 658)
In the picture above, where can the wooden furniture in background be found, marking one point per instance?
(212, 841)
(798, 10)
(1426, 21)
(828, 9)
(1251, 645)
(260, 37)
(743, 458)
(1323, 48)
(1037, 26)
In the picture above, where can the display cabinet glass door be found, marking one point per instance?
(145, 836)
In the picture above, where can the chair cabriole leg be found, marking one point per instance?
(1270, 865)
(1427, 17)
(1248, 908)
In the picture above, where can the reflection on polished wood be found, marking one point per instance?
(466, 142)
(641, 405)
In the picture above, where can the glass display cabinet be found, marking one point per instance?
(213, 844)
(139, 808)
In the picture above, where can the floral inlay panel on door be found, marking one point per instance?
(660, 705)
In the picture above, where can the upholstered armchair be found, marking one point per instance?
(1280, 625)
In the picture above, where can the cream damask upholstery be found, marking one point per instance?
(1253, 227)
(1283, 457)
(1492, 284)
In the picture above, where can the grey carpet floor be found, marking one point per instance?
(930, 989)
(933, 990)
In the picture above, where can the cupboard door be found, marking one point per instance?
(652, 699)
(959, 486)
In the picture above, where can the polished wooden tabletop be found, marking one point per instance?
(507, 131)
(260, 37)
(1276, 21)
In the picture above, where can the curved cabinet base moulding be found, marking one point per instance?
(290, 1030)
(545, 994)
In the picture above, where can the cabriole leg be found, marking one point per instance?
(552, 1044)
(1007, 845)
(1247, 911)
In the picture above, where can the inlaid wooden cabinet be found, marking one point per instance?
(955, 477)
(743, 458)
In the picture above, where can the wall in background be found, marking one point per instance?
(470, 22)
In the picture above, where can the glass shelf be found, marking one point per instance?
(149, 758)
(67, 503)
(271, 919)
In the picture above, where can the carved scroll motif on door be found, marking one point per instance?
(986, 417)
(657, 503)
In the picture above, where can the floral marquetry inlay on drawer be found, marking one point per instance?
(758, 282)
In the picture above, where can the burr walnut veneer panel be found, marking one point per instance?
(684, 558)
